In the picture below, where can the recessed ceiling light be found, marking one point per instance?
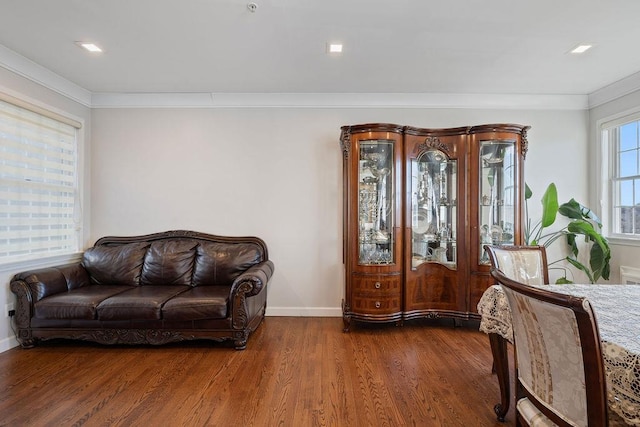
(334, 48)
(581, 48)
(91, 47)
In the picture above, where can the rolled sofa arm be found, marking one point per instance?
(33, 285)
(256, 276)
(47, 281)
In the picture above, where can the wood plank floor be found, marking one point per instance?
(294, 372)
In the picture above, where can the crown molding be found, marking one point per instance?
(28, 69)
(615, 90)
(48, 79)
(338, 100)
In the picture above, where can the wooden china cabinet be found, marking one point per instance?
(419, 204)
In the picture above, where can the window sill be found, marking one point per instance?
(624, 241)
(50, 261)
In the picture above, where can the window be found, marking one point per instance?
(621, 142)
(39, 199)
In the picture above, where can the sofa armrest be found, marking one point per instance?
(33, 285)
(47, 281)
(256, 277)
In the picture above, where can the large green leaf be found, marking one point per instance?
(571, 242)
(599, 263)
(571, 209)
(549, 205)
(586, 228)
(600, 258)
(580, 266)
(606, 271)
(575, 210)
(600, 253)
(593, 217)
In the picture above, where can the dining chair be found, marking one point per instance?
(560, 378)
(524, 264)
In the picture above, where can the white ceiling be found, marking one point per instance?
(391, 46)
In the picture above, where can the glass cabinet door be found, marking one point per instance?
(376, 195)
(433, 209)
(497, 194)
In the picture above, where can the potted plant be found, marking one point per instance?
(582, 222)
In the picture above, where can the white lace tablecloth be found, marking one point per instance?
(617, 309)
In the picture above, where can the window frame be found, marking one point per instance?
(74, 253)
(607, 163)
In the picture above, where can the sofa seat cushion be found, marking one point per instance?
(141, 302)
(199, 303)
(79, 303)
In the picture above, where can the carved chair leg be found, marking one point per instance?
(501, 366)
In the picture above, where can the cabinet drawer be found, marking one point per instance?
(373, 305)
(377, 285)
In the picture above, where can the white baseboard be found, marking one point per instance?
(304, 311)
(8, 344)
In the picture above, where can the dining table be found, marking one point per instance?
(617, 312)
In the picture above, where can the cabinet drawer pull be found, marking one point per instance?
(377, 285)
(378, 304)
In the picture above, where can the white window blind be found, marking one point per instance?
(39, 201)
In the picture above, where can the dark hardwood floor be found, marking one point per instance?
(294, 372)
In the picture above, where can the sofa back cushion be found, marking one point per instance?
(115, 265)
(180, 261)
(221, 263)
(169, 262)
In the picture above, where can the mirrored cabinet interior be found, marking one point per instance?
(498, 195)
(376, 192)
(419, 204)
(433, 208)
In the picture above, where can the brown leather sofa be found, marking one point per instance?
(151, 289)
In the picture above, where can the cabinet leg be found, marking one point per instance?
(346, 321)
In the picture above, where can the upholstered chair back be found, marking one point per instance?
(560, 373)
(524, 264)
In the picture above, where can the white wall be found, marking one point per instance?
(16, 85)
(276, 173)
(621, 253)
(269, 172)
